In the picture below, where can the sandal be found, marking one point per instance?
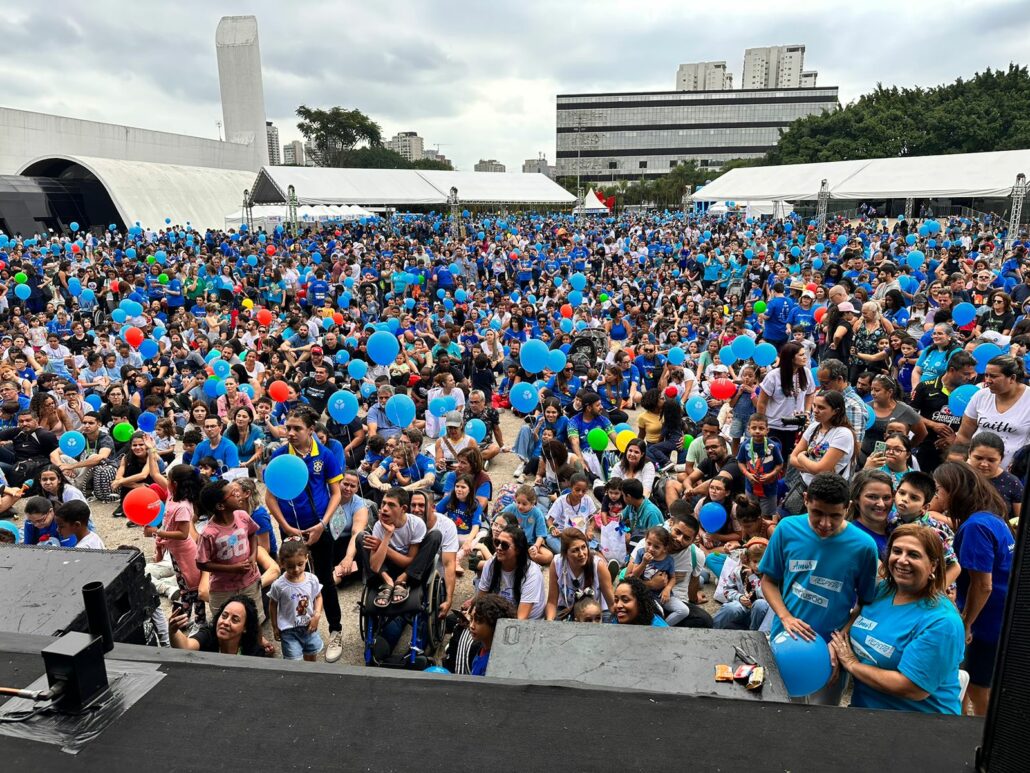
(400, 593)
(382, 599)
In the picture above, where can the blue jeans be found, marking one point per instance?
(299, 641)
(734, 616)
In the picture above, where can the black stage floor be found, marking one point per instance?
(215, 712)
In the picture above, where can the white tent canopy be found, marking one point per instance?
(267, 216)
(755, 208)
(591, 203)
(403, 187)
(960, 175)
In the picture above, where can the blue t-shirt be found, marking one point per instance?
(227, 455)
(533, 523)
(820, 579)
(310, 506)
(465, 516)
(580, 428)
(263, 519)
(923, 640)
(777, 313)
(984, 543)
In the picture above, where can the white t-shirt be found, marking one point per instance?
(1012, 426)
(533, 589)
(689, 562)
(819, 443)
(295, 601)
(411, 533)
(449, 542)
(91, 541)
(565, 514)
(780, 406)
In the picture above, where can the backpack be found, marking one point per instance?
(505, 496)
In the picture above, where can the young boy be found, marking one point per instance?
(295, 604)
(393, 547)
(911, 503)
(761, 462)
(740, 590)
(486, 611)
(816, 568)
(73, 521)
(190, 440)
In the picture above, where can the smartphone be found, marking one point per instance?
(180, 608)
(880, 447)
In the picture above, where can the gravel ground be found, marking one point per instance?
(115, 533)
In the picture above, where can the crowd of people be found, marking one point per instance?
(828, 427)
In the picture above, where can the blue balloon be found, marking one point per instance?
(556, 360)
(565, 325)
(368, 389)
(74, 226)
(212, 355)
(524, 397)
(75, 286)
(963, 314)
(400, 410)
(727, 355)
(286, 476)
(214, 387)
(697, 408)
(24, 291)
(147, 422)
(911, 239)
(676, 356)
(960, 397)
(461, 296)
(95, 402)
(343, 406)
(248, 390)
(870, 418)
(383, 348)
(818, 248)
(221, 368)
(984, 353)
(743, 346)
(575, 297)
(765, 354)
(804, 665)
(915, 259)
(476, 430)
(712, 517)
(795, 251)
(357, 369)
(148, 349)
(436, 670)
(533, 356)
(818, 263)
(72, 443)
(578, 281)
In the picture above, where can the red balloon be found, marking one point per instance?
(820, 313)
(141, 506)
(75, 248)
(302, 293)
(723, 389)
(264, 317)
(279, 391)
(566, 310)
(114, 287)
(338, 318)
(671, 392)
(270, 249)
(134, 337)
(812, 286)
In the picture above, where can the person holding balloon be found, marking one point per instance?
(787, 393)
(1003, 407)
(816, 568)
(92, 463)
(139, 467)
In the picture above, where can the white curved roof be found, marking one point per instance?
(958, 175)
(148, 193)
(399, 187)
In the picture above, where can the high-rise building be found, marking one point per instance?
(627, 136)
(435, 155)
(703, 76)
(538, 165)
(808, 78)
(407, 144)
(774, 67)
(239, 81)
(489, 165)
(293, 153)
(273, 144)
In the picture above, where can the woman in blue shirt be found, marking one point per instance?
(904, 648)
(984, 547)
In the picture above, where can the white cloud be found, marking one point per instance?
(477, 78)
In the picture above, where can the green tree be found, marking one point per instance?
(432, 164)
(990, 111)
(336, 131)
(373, 158)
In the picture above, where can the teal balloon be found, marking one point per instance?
(357, 369)
(870, 418)
(578, 281)
(221, 368)
(804, 665)
(476, 430)
(383, 348)
(727, 356)
(24, 291)
(286, 476)
(400, 410)
(534, 356)
(765, 354)
(676, 356)
(697, 408)
(524, 397)
(556, 360)
(743, 347)
(960, 397)
(343, 406)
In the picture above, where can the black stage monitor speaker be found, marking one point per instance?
(42, 590)
(1008, 713)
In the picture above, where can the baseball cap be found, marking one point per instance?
(808, 294)
(845, 307)
(316, 349)
(453, 419)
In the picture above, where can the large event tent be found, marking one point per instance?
(404, 187)
(961, 175)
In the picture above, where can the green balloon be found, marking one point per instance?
(687, 440)
(760, 307)
(21, 278)
(163, 279)
(602, 297)
(597, 439)
(122, 431)
(151, 260)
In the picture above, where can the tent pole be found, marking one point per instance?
(823, 203)
(1018, 197)
(248, 210)
(291, 209)
(910, 204)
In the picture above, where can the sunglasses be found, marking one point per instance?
(504, 546)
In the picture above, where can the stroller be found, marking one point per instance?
(588, 348)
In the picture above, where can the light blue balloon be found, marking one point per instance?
(870, 418)
(804, 665)
(765, 354)
(383, 348)
(23, 291)
(575, 297)
(556, 360)
(727, 355)
(357, 369)
(400, 410)
(286, 476)
(476, 430)
(960, 397)
(72, 443)
(578, 281)
(221, 368)
(533, 356)
(343, 406)
(697, 408)
(676, 356)
(743, 346)
(524, 397)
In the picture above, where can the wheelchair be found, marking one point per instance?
(418, 613)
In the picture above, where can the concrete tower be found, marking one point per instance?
(239, 79)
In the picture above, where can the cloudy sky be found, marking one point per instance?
(477, 78)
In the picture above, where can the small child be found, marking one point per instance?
(587, 610)
(208, 467)
(804, 341)
(533, 522)
(573, 509)
(748, 512)
(228, 549)
(718, 544)
(190, 440)
(164, 440)
(652, 563)
(295, 604)
(375, 452)
(911, 503)
(761, 463)
(740, 589)
(612, 505)
(743, 404)
(73, 521)
(486, 611)
(906, 363)
(500, 398)
(462, 506)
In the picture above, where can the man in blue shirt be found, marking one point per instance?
(217, 447)
(580, 425)
(650, 365)
(777, 313)
(816, 568)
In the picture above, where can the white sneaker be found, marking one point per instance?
(335, 649)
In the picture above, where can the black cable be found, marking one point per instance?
(23, 716)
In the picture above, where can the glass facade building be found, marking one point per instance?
(629, 136)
